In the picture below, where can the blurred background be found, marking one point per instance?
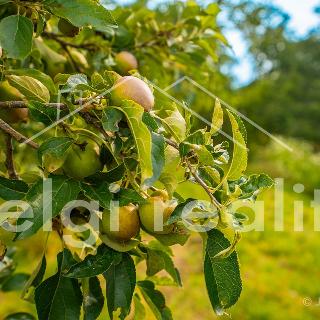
(269, 69)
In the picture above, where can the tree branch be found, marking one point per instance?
(9, 158)
(56, 37)
(23, 104)
(16, 135)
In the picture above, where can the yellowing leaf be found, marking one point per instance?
(240, 154)
(217, 118)
(31, 88)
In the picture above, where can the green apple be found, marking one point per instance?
(129, 223)
(155, 206)
(9, 93)
(82, 160)
(132, 88)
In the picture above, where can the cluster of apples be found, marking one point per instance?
(132, 218)
(83, 158)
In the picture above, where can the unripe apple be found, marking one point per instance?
(67, 28)
(82, 160)
(9, 93)
(129, 223)
(148, 211)
(132, 88)
(125, 61)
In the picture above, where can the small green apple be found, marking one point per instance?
(148, 211)
(129, 223)
(82, 160)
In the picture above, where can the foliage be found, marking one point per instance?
(70, 79)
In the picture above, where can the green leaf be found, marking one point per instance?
(36, 74)
(83, 13)
(94, 265)
(77, 81)
(190, 189)
(240, 154)
(157, 260)
(210, 174)
(172, 172)
(177, 212)
(193, 142)
(139, 310)
(12, 189)
(179, 236)
(114, 175)
(207, 45)
(174, 122)
(59, 298)
(150, 121)
(158, 158)
(110, 119)
(155, 300)
(121, 282)
(213, 9)
(16, 36)
(222, 275)
(30, 87)
(98, 192)
(41, 113)
(35, 279)
(127, 196)
(142, 136)
(55, 146)
(64, 190)
(15, 283)
(217, 118)
(204, 156)
(20, 316)
(93, 299)
(254, 185)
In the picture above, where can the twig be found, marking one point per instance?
(9, 158)
(73, 62)
(16, 135)
(23, 104)
(204, 186)
(56, 37)
(196, 176)
(172, 143)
